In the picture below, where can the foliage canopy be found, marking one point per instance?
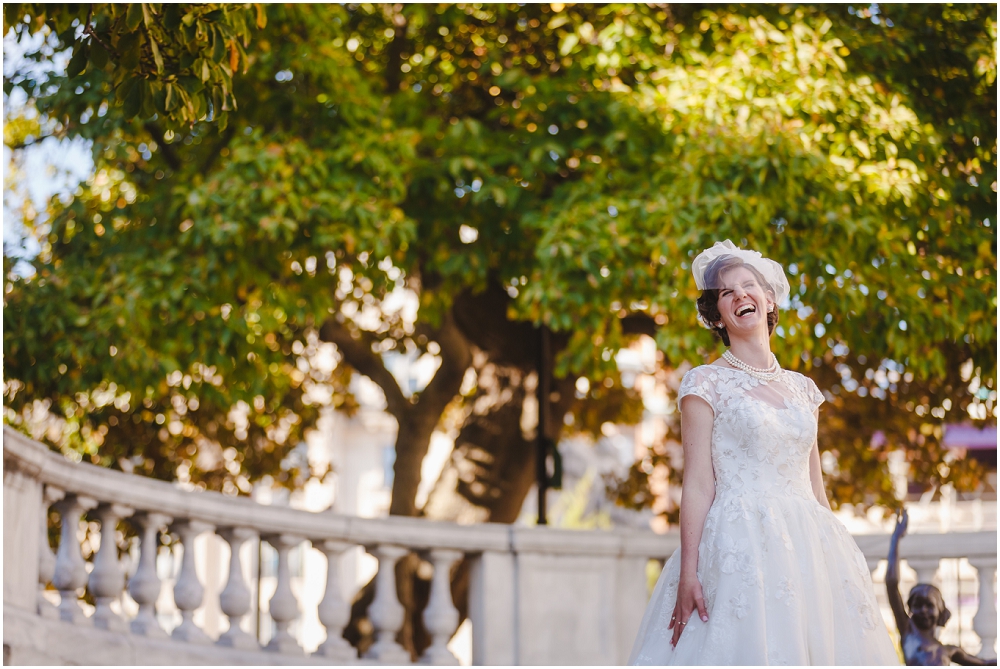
(509, 166)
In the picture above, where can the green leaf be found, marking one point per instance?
(156, 96)
(78, 63)
(205, 70)
(133, 100)
(218, 47)
(157, 58)
(98, 56)
(133, 15)
(171, 16)
(125, 88)
(568, 43)
(129, 50)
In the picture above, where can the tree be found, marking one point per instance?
(511, 167)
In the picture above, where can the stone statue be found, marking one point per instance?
(927, 612)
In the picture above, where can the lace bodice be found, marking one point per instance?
(762, 433)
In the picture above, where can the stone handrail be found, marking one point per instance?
(141, 493)
(526, 604)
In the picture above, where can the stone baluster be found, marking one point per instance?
(441, 616)
(926, 568)
(283, 607)
(334, 611)
(71, 569)
(145, 586)
(985, 620)
(385, 612)
(107, 579)
(188, 591)
(46, 558)
(235, 598)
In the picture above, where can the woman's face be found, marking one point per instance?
(743, 302)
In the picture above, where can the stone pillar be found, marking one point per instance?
(631, 594)
(145, 586)
(71, 569)
(492, 609)
(188, 591)
(22, 499)
(283, 607)
(46, 558)
(385, 612)
(441, 616)
(334, 611)
(235, 598)
(985, 620)
(107, 579)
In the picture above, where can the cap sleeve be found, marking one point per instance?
(813, 393)
(696, 382)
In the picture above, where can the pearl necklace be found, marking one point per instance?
(763, 375)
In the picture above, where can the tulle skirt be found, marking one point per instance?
(784, 584)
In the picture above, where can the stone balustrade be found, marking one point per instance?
(536, 595)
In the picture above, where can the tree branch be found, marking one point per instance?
(214, 153)
(414, 437)
(482, 318)
(639, 323)
(356, 347)
(169, 154)
(89, 30)
(395, 52)
(456, 357)
(30, 142)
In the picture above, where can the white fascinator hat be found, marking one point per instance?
(710, 265)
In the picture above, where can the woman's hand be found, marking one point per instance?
(689, 598)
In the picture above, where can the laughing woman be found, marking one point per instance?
(766, 574)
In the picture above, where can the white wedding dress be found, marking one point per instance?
(784, 583)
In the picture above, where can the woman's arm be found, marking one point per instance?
(816, 477)
(697, 496)
(816, 473)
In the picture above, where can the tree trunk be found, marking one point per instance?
(416, 419)
(413, 440)
(496, 455)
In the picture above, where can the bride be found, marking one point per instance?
(765, 574)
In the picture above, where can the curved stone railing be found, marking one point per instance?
(536, 595)
(37, 480)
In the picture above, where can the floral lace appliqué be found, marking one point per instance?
(785, 592)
